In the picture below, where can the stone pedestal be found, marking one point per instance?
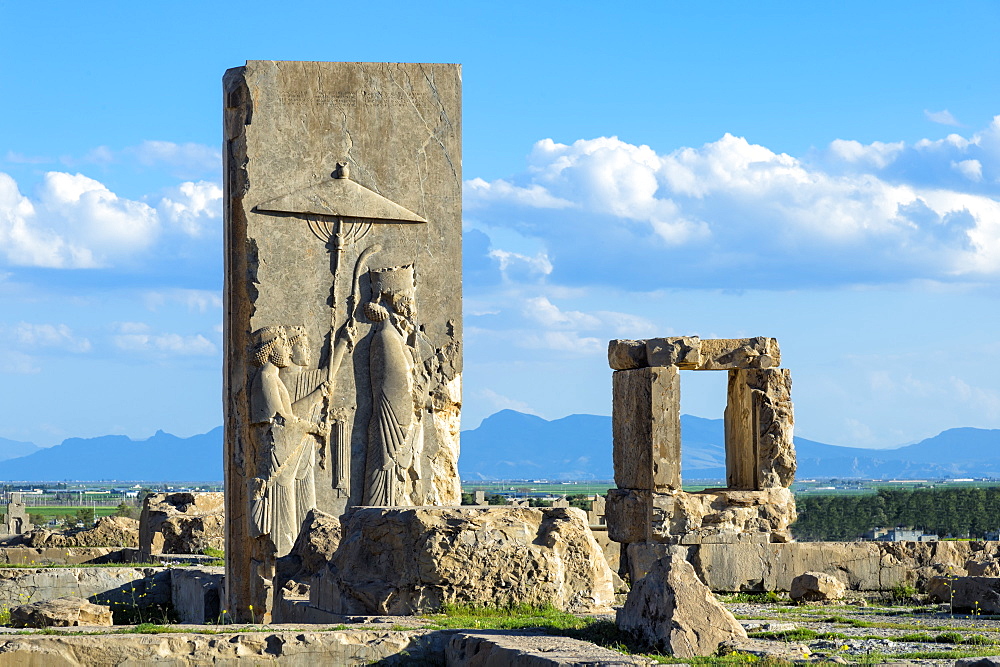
(343, 295)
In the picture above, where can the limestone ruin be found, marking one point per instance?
(16, 520)
(649, 506)
(343, 293)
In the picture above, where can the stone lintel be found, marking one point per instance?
(694, 353)
(646, 427)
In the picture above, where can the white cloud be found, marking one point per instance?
(548, 314)
(941, 117)
(733, 213)
(138, 337)
(185, 160)
(193, 299)
(971, 169)
(18, 363)
(75, 222)
(191, 206)
(47, 335)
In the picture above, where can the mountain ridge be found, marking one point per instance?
(514, 445)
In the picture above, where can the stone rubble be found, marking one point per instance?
(413, 560)
(817, 587)
(109, 531)
(671, 610)
(181, 523)
(60, 613)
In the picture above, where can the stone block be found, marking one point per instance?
(624, 355)
(196, 593)
(139, 586)
(357, 645)
(816, 587)
(59, 613)
(646, 429)
(759, 423)
(967, 594)
(694, 353)
(718, 354)
(343, 288)
(629, 515)
(109, 531)
(526, 648)
(413, 560)
(672, 610)
(722, 516)
(181, 523)
(681, 351)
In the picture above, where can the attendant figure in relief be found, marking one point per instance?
(284, 445)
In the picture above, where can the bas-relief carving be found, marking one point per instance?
(397, 351)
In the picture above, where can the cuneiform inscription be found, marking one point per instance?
(351, 98)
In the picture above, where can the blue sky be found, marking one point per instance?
(825, 173)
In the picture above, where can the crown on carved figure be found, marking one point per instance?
(396, 280)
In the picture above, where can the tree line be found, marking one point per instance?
(956, 512)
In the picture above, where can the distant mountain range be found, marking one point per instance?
(513, 445)
(161, 458)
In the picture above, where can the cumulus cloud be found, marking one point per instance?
(734, 213)
(139, 337)
(76, 222)
(191, 207)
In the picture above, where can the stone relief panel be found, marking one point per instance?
(343, 214)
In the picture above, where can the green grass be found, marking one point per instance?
(454, 616)
(770, 597)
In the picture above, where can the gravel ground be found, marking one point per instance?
(870, 634)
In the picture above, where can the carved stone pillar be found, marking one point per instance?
(343, 292)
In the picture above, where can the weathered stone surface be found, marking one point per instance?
(109, 531)
(287, 647)
(16, 520)
(629, 515)
(32, 557)
(646, 427)
(985, 661)
(680, 351)
(989, 567)
(412, 560)
(759, 422)
(502, 648)
(816, 587)
(670, 609)
(139, 586)
(693, 353)
(980, 594)
(344, 298)
(59, 613)
(862, 566)
(624, 355)
(722, 516)
(182, 523)
(196, 593)
(317, 542)
(731, 353)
